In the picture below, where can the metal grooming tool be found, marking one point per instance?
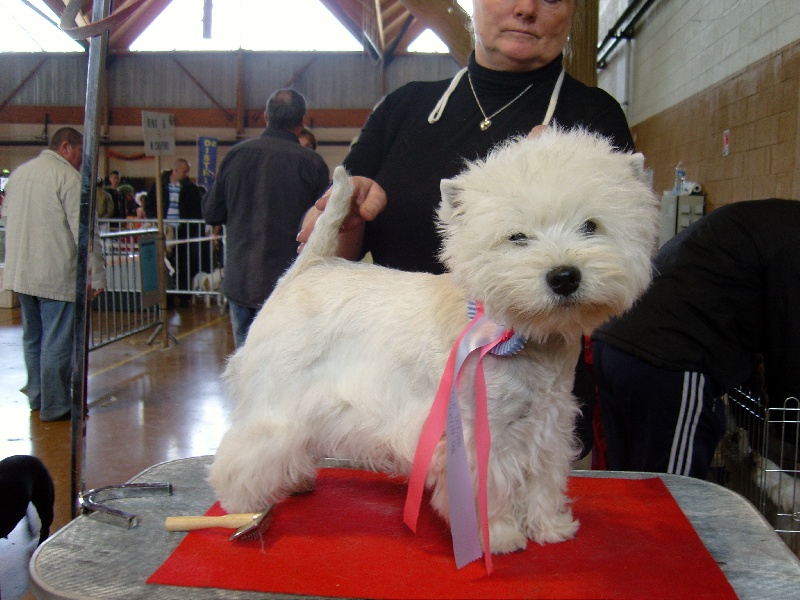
(253, 530)
(91, 501)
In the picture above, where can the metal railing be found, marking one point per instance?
(131, 301)
(128, 305)
(759, 458)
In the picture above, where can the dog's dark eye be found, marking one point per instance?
(588, 228)
(518, 238)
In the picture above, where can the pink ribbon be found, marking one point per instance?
(481, 335)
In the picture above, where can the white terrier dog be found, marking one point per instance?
(553, 235)
(209, 282)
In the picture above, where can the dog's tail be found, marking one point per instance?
(324, 239)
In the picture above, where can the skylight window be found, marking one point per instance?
(27, 29)
(278, 25)
(428, 41)
(247, 24)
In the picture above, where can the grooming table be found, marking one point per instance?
(90, 558)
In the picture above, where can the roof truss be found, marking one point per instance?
(384, 27)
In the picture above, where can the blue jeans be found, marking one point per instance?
(47, 341)
(241, 319)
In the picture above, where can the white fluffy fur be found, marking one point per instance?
(345, 358)
(781, 486)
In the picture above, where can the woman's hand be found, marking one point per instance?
(537, 131)
(367, 202)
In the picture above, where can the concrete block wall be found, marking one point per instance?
(685, 46)
(758, 108)
(699, 68)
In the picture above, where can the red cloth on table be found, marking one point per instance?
(347, 539)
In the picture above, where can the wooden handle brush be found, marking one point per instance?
(233, 521)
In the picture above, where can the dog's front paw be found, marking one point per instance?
(506, 536)
(306, 486)
(558, 528)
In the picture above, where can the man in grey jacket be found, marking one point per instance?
(42, 214)
(262, 190)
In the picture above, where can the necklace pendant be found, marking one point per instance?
(485, 124)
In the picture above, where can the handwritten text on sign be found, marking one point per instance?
(159, 133)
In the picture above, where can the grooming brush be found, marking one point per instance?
(253, 530)
(248, 525)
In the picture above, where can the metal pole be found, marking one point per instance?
(162, 251)
(95, 82)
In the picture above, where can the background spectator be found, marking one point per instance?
(42, 205)
(262, 190)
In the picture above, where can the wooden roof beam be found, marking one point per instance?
(393, 11)
(123, 36)
(397, 28)
(57, 6)
(381, 41)
(348, 14)
(415, 29)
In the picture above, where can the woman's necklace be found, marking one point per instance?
(487, 120)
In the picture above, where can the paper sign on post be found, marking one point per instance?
(159, 133)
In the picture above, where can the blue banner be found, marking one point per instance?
(206, 161)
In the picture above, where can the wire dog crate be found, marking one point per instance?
(759, 458)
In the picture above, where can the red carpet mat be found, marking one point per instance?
(347, 539)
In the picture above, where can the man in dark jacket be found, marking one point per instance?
(180, 199)
(262, 190)
(116, 197)
(725, 294)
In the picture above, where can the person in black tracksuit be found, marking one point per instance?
(724, 298)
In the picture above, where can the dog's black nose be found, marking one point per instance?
(564, 280)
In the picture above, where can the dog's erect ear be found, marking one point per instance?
(637, 164)
(450, 191)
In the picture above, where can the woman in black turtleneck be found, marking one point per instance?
(424, 131)
(408, 156)
(518, 50)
